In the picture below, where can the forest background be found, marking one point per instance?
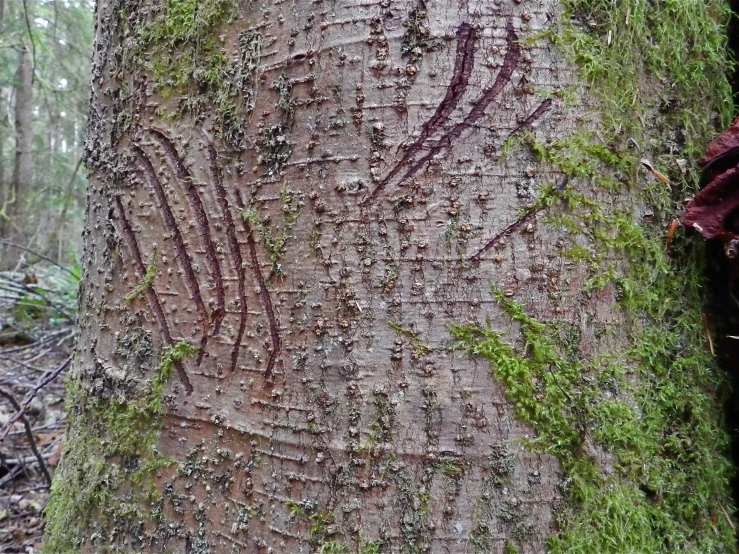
(45, 52)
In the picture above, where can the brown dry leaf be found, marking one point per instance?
(660, 176)
(671, 232)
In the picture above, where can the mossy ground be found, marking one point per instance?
(658, 72)
(110, 446)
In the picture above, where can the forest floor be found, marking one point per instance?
(37, 332)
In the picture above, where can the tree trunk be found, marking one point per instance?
(391, 277)
(12, 222)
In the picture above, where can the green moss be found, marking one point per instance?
(147, 281)
(420, 348)
(663, 432)
(669, 56)
(332, 547)
(649, 403)
(184, 46)
(275, 240)
(370, 548)
(110, 460)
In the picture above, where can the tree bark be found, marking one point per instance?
(363, 277)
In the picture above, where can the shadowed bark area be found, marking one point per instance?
(368, 277)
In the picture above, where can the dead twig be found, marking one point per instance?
(30, 251)
(29, 433)
(45, 379)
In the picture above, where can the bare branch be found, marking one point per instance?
(45, 379)
(29, 434)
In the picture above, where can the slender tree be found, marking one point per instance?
(22, 180)
(44, 83)
(393, 277)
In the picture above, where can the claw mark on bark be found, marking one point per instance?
(185, 177)
(463, 65)
(263, 293)
(513, 226)
(233, 246)
(528, 123)
(510, 63)
(150, 292)
(179, 243)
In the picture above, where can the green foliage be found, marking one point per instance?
(58, 35)
(111, 445)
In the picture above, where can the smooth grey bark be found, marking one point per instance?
(315, 235)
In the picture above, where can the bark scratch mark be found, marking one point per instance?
(150, 292)
(463, 65)
(179, 242)
(464, 62)
(263, 293)
(528, 123)
(513, 226)
(233, 246)
(185, 177)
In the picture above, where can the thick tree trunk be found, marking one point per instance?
(385, 277)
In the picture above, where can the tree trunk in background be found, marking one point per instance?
(22, 182)
(387, 277)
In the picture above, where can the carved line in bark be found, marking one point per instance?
(263, 293)
(185, 177)
(233, 246)
(150, 292)
(528, 123)
(463, 63)
(513, 226)
(179, 243)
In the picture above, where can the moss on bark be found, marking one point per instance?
(658, 73)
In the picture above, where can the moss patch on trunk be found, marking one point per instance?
(111, 445)
(657, 70)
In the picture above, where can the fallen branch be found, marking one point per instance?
(29, 433)
(45, 379)
(30, 251)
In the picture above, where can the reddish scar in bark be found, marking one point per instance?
(151, 293)
(415, 158)
(714, 212)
